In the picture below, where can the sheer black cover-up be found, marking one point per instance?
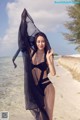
(34, 100)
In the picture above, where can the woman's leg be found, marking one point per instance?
(49, 100)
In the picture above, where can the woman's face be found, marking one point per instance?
(40, 42)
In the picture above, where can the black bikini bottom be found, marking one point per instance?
(42, 84)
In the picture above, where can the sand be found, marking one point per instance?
(67, 102)
(67, 98)
(72, 63)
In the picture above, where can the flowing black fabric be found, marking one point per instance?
(34, 100)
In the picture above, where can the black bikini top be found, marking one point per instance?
(42, 66)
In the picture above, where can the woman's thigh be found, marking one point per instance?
(49, 91)
(49, 99)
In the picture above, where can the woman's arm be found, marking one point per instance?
(50, 61)
(31, 52)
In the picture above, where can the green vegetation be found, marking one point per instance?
(73, 25)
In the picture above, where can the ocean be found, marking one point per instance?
(10, 79)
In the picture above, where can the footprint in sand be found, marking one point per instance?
(78, 92)
(57, 76)
(55, 118)
(61, 117)
(57, 65)
(61, 96)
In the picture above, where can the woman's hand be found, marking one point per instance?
(49, 57)
(49, 54)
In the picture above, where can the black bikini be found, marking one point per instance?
(42, 66)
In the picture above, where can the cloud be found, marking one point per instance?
(46, 15)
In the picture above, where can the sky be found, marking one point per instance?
(48, 17)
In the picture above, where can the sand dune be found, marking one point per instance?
(72, 63)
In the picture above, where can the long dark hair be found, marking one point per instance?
(45, 38)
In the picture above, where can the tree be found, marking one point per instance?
(73, 25)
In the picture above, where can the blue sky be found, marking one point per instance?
(48, 17)
(3, 14)
(3, 17)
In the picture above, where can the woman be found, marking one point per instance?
(38, 61)
(42, 60)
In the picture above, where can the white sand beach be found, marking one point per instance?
(67, 98)
(67, 102)
(72, 63)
